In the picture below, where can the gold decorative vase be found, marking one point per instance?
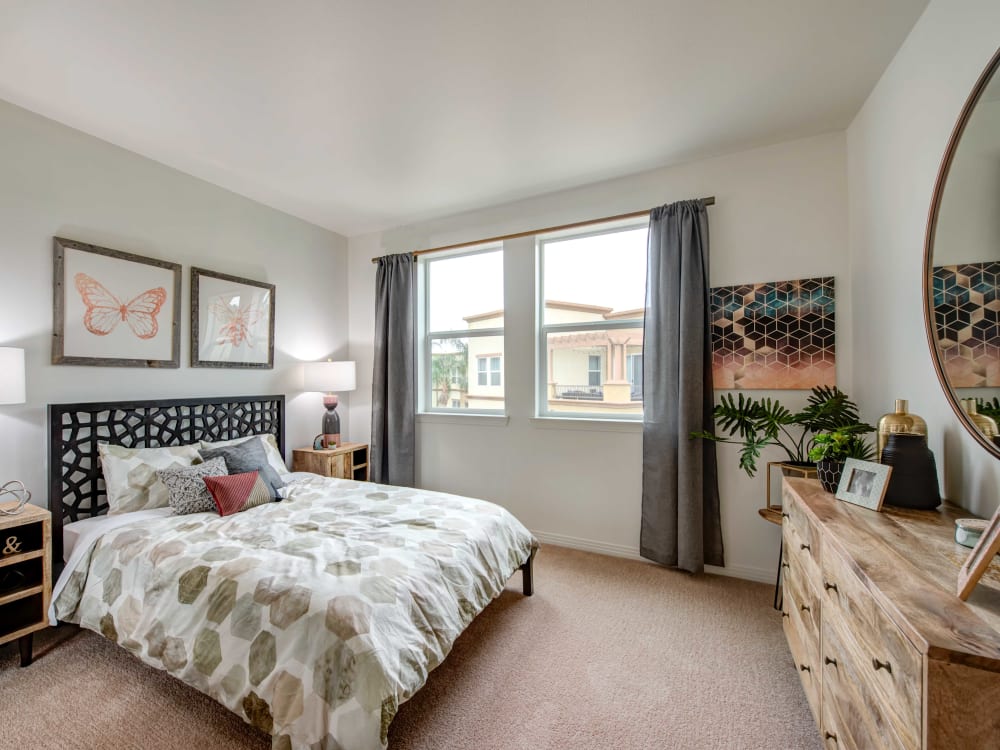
(986, 425)
(900, 420)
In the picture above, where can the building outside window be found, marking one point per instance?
(461, 324)
(591, 306)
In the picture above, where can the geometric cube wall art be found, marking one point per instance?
(777, 335)
(967, 322)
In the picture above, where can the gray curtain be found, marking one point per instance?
(680, 488)
(394, 377)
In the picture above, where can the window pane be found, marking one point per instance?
(600, 277)
(574, 385)
(454, 382)
(466, 292)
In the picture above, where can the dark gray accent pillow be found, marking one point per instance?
(186, 486)
(244, 457)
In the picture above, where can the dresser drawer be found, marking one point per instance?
(852, 714)
(805, 658)
(803, 552)
(807, 603)
(843, 593)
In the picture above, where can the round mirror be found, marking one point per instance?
(962, 264)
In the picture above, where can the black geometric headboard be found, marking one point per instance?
(76, 484)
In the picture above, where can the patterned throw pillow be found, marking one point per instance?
(244, 457)
(186, 485)
(238, 492)
(274, 458)
(130, 474)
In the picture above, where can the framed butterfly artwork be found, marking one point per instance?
(232, 321)
(114, 309)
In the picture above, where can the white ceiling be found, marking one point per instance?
(360, 115)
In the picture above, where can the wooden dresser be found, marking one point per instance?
(888, 655)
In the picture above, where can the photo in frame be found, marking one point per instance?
(980, 558)
(232, 321)
(864, 483)
(114, 309)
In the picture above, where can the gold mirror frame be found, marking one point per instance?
(942, 178)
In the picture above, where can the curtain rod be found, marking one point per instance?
(710, 201)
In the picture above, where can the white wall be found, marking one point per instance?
(58, 181)
(781, 213)
(895, 145)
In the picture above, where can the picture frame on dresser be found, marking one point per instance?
(232, 321)
(111, 308)
(864, 483)
(980, 558)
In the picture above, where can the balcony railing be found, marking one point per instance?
(579, 392)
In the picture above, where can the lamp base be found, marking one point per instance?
(331, 423)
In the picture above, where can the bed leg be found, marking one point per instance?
(526, 576)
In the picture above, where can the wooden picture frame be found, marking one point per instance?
(114, 309)
(864, 483)
(232, 321)
(980, 558)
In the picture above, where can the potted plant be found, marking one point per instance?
(831, 449)
(754, 424)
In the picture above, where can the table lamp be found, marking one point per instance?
(12, 392)
(328, 377)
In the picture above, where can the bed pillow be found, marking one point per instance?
(237, 492)
(186, 485)
(274, 457)
(130, 475)
(247, 456)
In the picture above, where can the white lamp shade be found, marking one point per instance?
(11, 375)
(329, 377)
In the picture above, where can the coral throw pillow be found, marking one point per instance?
(238, 492)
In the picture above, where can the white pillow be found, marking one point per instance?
(274, 457)
(130, 474)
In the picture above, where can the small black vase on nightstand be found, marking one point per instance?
(913, 482)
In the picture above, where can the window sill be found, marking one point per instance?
(489, 420)
(587, 425)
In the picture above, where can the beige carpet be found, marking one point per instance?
(609, 653)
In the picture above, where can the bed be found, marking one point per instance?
(312, 618)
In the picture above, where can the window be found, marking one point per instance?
(488, 370)
(461, 329)
(594, 369)
(591, 302)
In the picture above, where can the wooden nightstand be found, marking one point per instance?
(347, 461)
(25, 576)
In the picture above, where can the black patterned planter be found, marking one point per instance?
(829, 472)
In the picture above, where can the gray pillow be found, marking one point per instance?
(244, 457)
(187, 492)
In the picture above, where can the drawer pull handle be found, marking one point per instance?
(785, 515)
(831, 736)
(805, 546)
(784, 564)
(805, 608)
(881, 665)
(830, 586)
(784, 614)
(828, 660)
(804, 668)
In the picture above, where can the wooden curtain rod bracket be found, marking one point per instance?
(710, 201)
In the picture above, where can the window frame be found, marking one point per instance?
(425, 384)
(542, 330)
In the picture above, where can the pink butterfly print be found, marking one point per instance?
(105, 311)
(238, 322)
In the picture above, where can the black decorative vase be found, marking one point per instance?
(829, 471)
(913, 482)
